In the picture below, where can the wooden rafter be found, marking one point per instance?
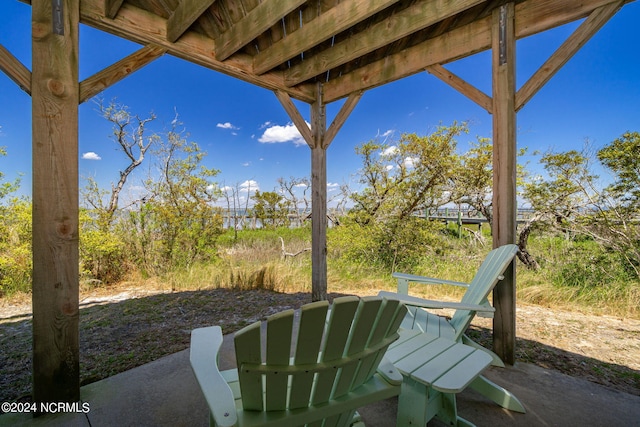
(341, 117)
(335, 20)
(569, 48)
(118, 71)
(455, 44)
(531, 17)
(146, 28)
(111, 8)
(251, 26)
(296, 117)
(415, 17)
(187, 12)
(462, 86)
(16, 71)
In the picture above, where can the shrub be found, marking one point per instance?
(386, 244)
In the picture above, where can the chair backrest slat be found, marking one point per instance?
(358, 340)
(312, 318)
(337, 333)
(486, 278)
(278, 343)
(330, 357)
(247, 344)
(389, 318)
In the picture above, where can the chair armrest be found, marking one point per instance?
(426, 303)
(389, 372)
(427, 280)
(203, 355)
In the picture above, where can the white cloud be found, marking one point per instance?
(332, 186)
(302, 184)
(249, 185)
(389, 167)
(226, 125)
(410, 162)
(387, 133)
(91, 156)
(276, 134)
(389, 151)
(245, 164)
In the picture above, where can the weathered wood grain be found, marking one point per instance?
(503, 227)
(318, 200)
(462, 86)
(335, 20)
(16, 71)
(570, 47)
(251, 26)
(187, 12)
(98, 82)
(55, 295)
(416, 17)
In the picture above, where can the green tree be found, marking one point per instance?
(399, 179)
(558, 200)
(270, 208)
(406, 176)
(15, 246)
(15, 237)
(177, 224)
(622, 158)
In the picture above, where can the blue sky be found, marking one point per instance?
(596, 95)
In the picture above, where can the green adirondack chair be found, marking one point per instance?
(473, 302)
(317, 376)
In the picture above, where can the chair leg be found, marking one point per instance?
(418, 404)
(448, 412)
(498, 394)
(413, 404)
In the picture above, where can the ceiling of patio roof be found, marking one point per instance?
(348, 45)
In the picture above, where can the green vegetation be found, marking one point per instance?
(580, 247)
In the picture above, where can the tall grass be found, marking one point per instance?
(575, 275)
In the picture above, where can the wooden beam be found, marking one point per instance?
(187, 12)
(337, 19)
(318, 200)
(147, 29)
(407, 21)
(295, 116)
(263, 16)
(456, 44)
(16, 71)
(341, 117)
(465, 88)
(55, 292)
(535, 16)
(95, 84)
(570, 47)
(503, 226)
(111, 8)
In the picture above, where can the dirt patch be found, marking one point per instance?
(131, 327)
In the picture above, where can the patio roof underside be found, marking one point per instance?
(349, 46)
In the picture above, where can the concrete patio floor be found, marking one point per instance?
(165, 393)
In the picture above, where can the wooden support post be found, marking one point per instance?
(55, 92)
(318, 199)
(504, 174)
(318, 138)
